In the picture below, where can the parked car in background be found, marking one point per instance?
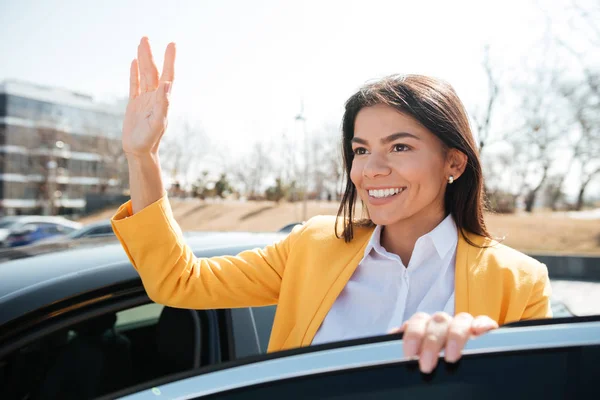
(78, 239)
(23, 230)
(93, 230)
(78, 324)
(288, 228)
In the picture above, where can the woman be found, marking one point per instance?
(422, 263)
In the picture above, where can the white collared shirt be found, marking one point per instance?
(383, 293)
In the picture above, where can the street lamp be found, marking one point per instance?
(302, 118)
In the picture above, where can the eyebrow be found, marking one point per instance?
(387, 139)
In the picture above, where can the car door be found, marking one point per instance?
(550, 361)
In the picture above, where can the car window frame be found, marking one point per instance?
(380, 350)
(40, 323)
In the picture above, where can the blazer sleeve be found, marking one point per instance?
(172, 275)
(539, 306)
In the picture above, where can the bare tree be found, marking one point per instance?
(289, 167)
(251, 171)
(326, 155)
(490, 134)
(181, 149)
(542, 132)
(587, 150)
(483, 117)
(583, 94)
(583, 19)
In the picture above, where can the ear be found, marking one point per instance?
(456, 162)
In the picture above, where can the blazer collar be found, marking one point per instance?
(337, 278)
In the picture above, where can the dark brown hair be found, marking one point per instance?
(435, 104)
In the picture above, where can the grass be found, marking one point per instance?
(543, 232)
(547, 232)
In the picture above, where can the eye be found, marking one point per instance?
(401, 147)
(359, 151)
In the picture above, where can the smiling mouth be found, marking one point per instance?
(384, 193)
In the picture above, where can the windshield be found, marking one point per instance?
(5, 224)
(77, 233)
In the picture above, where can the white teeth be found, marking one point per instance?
(380, 193)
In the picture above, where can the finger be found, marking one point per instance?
(482, 324)
(158, 117)
(141, 62)
(434, 341)
(414, 331)
(134, 80)
(148, 70)
(458, 334)
(168, 72)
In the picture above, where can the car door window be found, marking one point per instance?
(100, 231)
(50, 229)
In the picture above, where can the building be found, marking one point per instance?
(56, 148)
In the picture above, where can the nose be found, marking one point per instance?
(375, 166)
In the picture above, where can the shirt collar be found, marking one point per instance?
(375, 242)
(444, 238)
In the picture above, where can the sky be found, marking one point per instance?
(244, 67)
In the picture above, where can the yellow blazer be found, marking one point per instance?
(305, 272)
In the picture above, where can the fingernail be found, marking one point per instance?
(168, 87)
(426, 361)
(410, 348)
(452, 354)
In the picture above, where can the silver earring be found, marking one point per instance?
(450, 179)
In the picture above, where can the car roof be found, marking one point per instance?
(41, 218)
(30, 283)
(93, 225)
(103, 222)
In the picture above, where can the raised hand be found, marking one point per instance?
(146, 114)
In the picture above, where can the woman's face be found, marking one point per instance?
(400, 168)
